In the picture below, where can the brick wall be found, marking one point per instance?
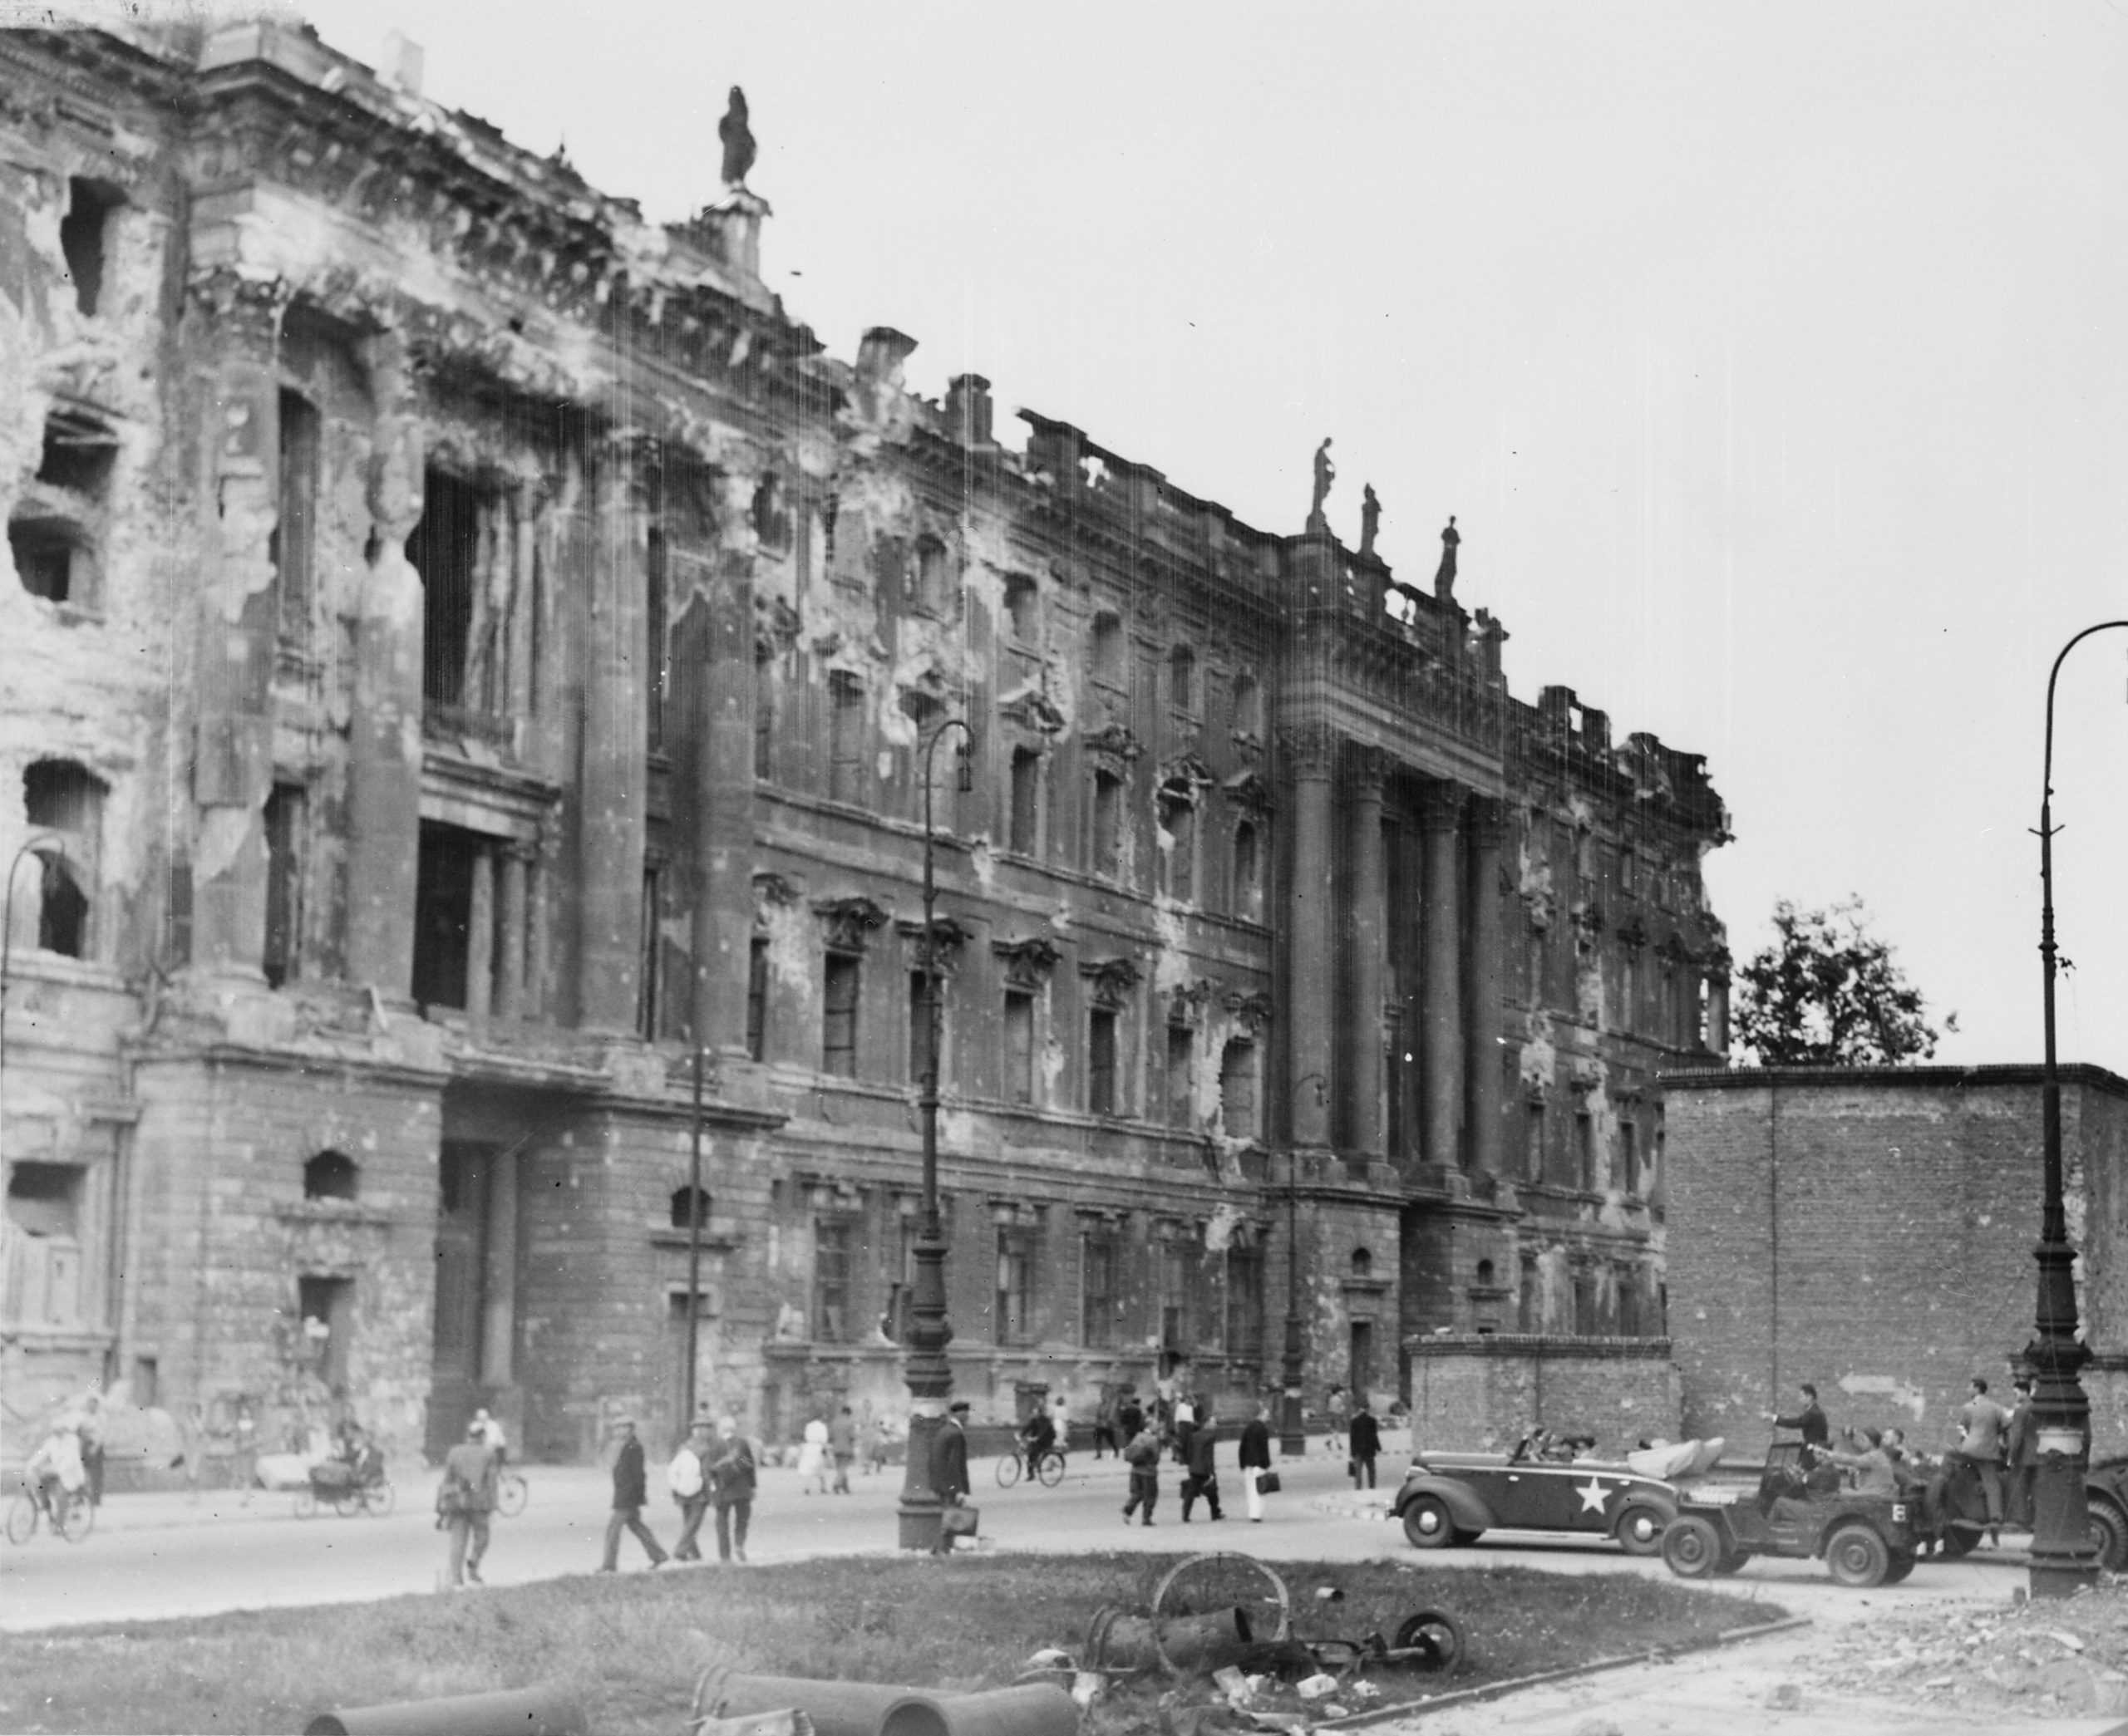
(1482, 1394)
(1870, 1231)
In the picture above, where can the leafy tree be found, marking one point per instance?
(1827, 993)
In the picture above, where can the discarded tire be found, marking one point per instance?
(1430, 1640)
(516, 1712)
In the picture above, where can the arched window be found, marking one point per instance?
(331, 1175)
(1484, 1274)
(1362, 1263)
(1247, 882)
(682, 1199)
(1106, 650)
(65, 800)
(1182, 678)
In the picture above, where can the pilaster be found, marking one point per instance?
(1311, 753)
(1486, 834)
(1442, 1054)
(1365, 770)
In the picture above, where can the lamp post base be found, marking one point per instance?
(919, 1523)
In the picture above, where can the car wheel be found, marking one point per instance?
(1639, 1531)
(1428, 1524)
(1692, 1547)
(2109, 1528)
(1902, 1566)
(1857, 1556)
(1432, 1639)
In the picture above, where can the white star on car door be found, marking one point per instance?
(1592, 1496)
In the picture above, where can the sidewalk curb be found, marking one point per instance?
(1545, 1678)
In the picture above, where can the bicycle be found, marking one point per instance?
(1050, 1467)
(31, 1503)
(512, 1492)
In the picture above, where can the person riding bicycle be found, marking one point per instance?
(1037, 1434)
(55, 1470)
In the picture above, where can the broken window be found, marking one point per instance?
(839, 1015)
(1108, 824)
(65, 801)
(1584, 1151)
(1247, 718)
(1105, 658)
(1178, 816)
(928, 575)
(757, 998)
(1629, 1153)
(445, 549)
(1014, 1318)
(831, 1280)
(1022, 611)
(331, 1175)
(44, 1270)
(650, 978)
(325, 1307)
(764, 716)
(1182, 678)
(1019, 1046)
(85, 237)
(293, 544)
(443, 913)
(1102, 1099)
(846, 737)
(1027, 801)
(1238, 1089)
(1248, 883)
(689, 1205)
(1533, 1159)
(1098, 1308)
(79, 450)
(1181, 1049)
(284, 842)
(1244, 1335)
(52, 560)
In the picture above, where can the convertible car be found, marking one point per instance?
(1456, 1497)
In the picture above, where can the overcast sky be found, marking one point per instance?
(1773, 358)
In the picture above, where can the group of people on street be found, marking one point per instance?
(1195, 1446)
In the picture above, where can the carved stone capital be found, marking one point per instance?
(1366, 772)
(1028, 962)
(1440, 807)
(1109, 980)
(1310, 749)
(1112, 741)
(947, 937)
(848, 921)
(1252, 1007)
(1487, 822)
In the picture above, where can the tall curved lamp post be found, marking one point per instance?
(929, 1374)
(38, 842)
(2063, 1560)
(1292, 1426)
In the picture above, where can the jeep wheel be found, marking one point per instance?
(1639, 1531)
(1692, 1547)
(1902, 1565)
(1957, 1540)
(2109, 1535)
(1857, 1556)
(1428, 1524)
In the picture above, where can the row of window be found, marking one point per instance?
(1633, 1169)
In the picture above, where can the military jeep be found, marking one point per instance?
(1865, 1539)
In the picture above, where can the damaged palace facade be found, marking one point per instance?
(463, 640)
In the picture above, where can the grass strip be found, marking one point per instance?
(631, 1648)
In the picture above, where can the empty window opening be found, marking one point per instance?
(1019, 1046)
(1532, 1161)
(1023, 608)
(331, 1175)
(919, 1026)
(78, 453)
(1362, 1262)
(1182, 678)
(1178, 817)
(831, 1280)
(1238, 1089)
(293, 544)
(763, 717)
(757, 998)
(1629, 1155)
(846, 735)
(1102, 1098)
(1014, 1317)
(44, 1199)
(1584, 1150)
(43, 1275)
(1244, 1323)
(1107, 650)
(1027, 800)
(1248, 880)
(65, 799)
(1247, 718)
(1181, 1049)
(443, 913)
(1484, 1274)
(1098, 1307)
(929, 574)
(326, 1308)
(285, 844)
(839, 1015)
(1108, 824)
(657, 690)
(689, 1205)
(445, 550)
(84, 237)
(650, 990)
(52, 559)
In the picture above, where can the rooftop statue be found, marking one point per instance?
(1326, 473)
(738, 140)
(1370, 518)
(1444, 577)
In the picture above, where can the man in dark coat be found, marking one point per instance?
(1255, 1457)
(1203, 1473)
(1129, 1418)
(2020, 1445)
(949, 1469)
(1810, 1423)
(1363, 1441)
(1143, 1456)
(631, 1489)
(731, 1470)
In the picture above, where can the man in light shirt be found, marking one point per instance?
(1982, 1425)
(687, 1479)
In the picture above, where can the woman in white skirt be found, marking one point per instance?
(1255, 1460)
(812, 1458)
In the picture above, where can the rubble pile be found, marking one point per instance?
(2046, 1660)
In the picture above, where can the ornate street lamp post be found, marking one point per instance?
(929, 1376)
(39, 842)
(1292, 1427)
(2062, 1557)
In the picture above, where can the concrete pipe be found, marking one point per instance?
(516, 1712)
(1038, 1708)
(837, 1709)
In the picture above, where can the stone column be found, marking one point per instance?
(510, 937)
(384, 732)
(480, 936)
(611, 771)
(723, 776)
(1365, 770)
(499, 1281)
(538, 932)
(1440, 1055)
(237, 324)
(1488, 830)
(1311, 950)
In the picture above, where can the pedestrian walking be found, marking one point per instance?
(1362, 1442)
(879, 1447)
(689, 1479)
(1104, 1425)
(631, 1489)
(731, 1479)
(1810, 1422)
(1129, 1418)
(1203, 1477)
(1143, 1456)
(949, 1470)
(1982, 1425)
(1335, 1406)
(812, 1458)
(463, 1502)
(1255, 1457)
(2020, 1447)
(842, 1447)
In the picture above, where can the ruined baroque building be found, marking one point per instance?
(464, 642)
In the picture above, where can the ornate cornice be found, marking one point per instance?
(1112, 741)
(1247, 789)
(1252, 1007)
(848, 921)
(1034, 710)
(1111, 980)
(1028, 962)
